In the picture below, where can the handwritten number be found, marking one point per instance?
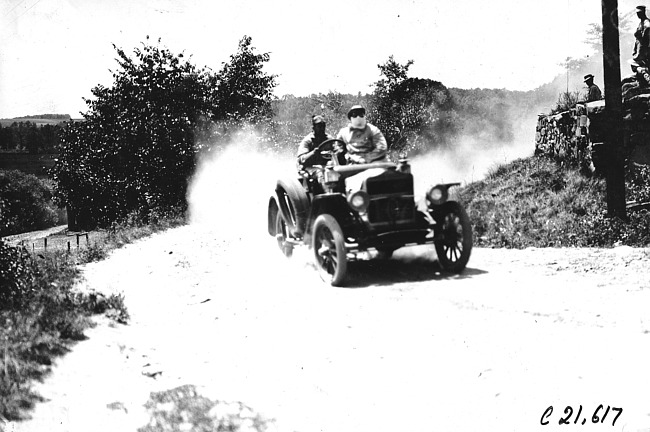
(578, 415)
(602, 420)
(546, 415)
(620, 411)
(569, 411)
(595, 418)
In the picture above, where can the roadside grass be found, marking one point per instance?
(42, 315)
(537, 202)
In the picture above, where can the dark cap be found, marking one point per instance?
(356, 108)
(640, 8)
(588, 77)
(315, 119)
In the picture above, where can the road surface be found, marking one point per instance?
(226, 319)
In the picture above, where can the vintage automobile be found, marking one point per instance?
(345, 212)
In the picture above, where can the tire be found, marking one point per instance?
(454, 245)
(329, 250)
(281, 235)
(294, 204)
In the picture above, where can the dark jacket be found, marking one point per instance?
(306, 154)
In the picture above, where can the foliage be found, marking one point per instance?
(25, 202)
(536, 202)
(185, 408)
(136, 149)
(28, 136)
(566, 101)
(292, 115)
(414, 114)
(243, 91)
(15, 273)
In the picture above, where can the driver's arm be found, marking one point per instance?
(305, 155)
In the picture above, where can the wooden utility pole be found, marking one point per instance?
(615, 174)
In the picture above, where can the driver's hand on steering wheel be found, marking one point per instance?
(354, 158)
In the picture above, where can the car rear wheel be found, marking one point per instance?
(329, 250)
(454, 239)
(281, 235)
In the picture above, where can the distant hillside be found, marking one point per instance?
(39, 120)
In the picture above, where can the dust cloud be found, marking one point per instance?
(470, 159)
(230, 190)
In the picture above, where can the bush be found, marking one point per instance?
(15, 274)
(25, 203)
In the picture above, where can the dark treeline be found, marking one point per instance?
(27, 136)
(489, 115)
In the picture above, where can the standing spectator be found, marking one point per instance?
(593, 92)
(641, 53)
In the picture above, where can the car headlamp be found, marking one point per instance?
(359, 201)
(331, 176)
(437, 195)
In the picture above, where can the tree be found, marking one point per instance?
(25, 203)
(414, 114)
(243, 90)
(136, 148)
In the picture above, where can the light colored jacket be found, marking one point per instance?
(364, 145)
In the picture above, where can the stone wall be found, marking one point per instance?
(577, 135)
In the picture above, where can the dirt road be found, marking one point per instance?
(404, 348)
(218, 316)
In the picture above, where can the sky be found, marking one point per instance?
(53, 52)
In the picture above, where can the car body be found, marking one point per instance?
(342, 211)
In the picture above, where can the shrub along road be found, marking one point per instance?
(219, 318)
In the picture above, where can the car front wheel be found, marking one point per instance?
(329, 250)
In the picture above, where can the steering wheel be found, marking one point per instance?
(326, 148)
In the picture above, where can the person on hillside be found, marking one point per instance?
(308, 154)
(364, 142)
(641, 53)
(593, 92)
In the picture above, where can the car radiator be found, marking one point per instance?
(391, 200)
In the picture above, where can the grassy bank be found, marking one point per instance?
(42, 316)
(536, 202)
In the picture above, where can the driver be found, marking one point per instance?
(308, 154)
(365, 143)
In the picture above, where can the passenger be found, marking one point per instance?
(364, 142)
(308, 154)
